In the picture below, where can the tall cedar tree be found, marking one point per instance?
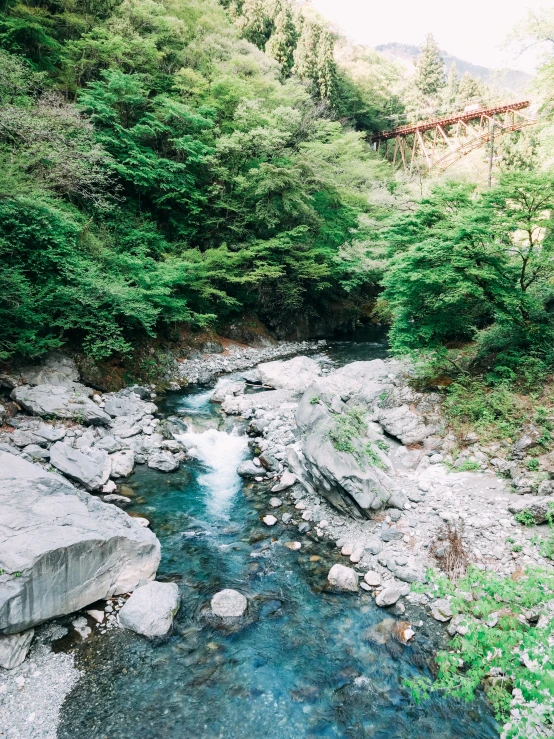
(430, 69)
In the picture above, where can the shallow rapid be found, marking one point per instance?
(302, 666)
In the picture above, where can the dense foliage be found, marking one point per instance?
(157, 167)
(504, 642)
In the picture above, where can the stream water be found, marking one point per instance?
(301, 666)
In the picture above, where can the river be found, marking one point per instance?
(301, 667)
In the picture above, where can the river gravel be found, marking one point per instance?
(32, 694)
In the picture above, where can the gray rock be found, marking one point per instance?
(68, 548)
(163, 461)
(343, 578)
(374, 546)
(286, 517)
(151, 609)
(37, 452)
(54, 369)
(23, 437)
(14, 648)
(59, 402)
(275, 502)
(372, 578)
(108, 444)
(50, 433)
(389, 595)
(90, 467)
(227, 388)
(229, 603)
(122, 463)
(126, 403)
(294, 374)
(441, 610)
(539, 508)
(248, 469)
(287, 481)
(388, 533)
(124, 427)
(405, 424)
(269, 462)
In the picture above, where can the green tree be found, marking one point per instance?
(461, 265)
(314, 61)
(470, 90)
(429, 78)
(450, 91)
(284, 37)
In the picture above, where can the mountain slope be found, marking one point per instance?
(511, 79)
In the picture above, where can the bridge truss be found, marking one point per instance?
(440, 142)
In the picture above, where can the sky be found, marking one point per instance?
(472, 30)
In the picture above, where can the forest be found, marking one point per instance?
(187, 162)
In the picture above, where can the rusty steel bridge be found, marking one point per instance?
(440, 142)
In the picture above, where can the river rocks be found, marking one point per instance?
(108, 443)
(275, 502)
(389, 595)
(121, 501)
(25, 437)
(14, 648)
(248, 469)
(227, 388)
(372, 578)
(229, 604)
(68, 548)
(59, 402)
(122, 463)
(269, 520)
(441, 610)
(163, 461)
(151, 609)
(343, 578)
(125, 427)
(127, 403)
(287, 480)
(295, 374)
(91, 467)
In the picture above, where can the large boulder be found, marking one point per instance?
(541, 509)
(151, 609)
(91, 467)
(225, 388)
(14, 648)
(59, 402)
(61, 549)
(294, 374)
(349, 472)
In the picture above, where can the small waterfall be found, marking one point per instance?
(221, 453)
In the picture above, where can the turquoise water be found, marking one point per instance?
(301, 665)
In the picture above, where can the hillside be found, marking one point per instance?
(510, 79)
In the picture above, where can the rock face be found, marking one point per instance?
(55, 369)
(343, 578)
(67, 548)
(14, 648)
(90, 467)
(151, 609)
(60, 402)
(295, 374)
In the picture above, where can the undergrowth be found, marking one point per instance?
(347, 435)
(510, 656)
